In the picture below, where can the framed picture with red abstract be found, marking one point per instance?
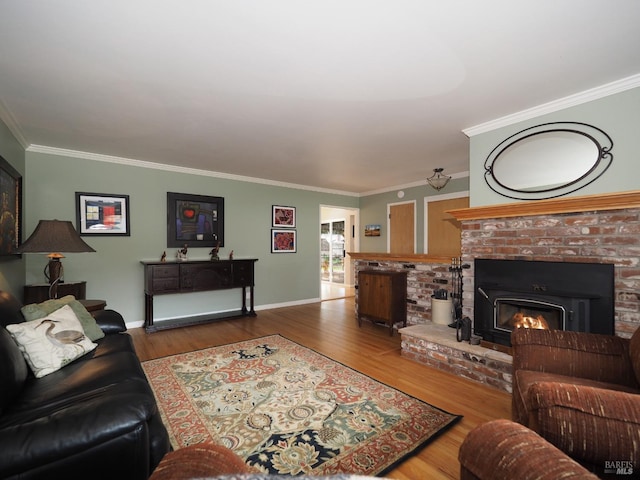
(283, 217)
(283, 241)
(194, 220)
(102, 214)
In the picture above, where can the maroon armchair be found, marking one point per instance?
(581, 392)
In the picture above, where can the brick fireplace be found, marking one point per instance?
(598, 229)
(590, 229)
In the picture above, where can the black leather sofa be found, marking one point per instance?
(95, 418)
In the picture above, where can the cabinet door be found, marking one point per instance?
(205, 276)
(243, 273)
(375, 296)
(164, 278)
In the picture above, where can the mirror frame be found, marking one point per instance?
(601, 139)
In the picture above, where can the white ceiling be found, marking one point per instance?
(349, 95)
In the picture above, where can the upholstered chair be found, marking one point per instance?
(505, 449)
(203, 460)
(581, 392)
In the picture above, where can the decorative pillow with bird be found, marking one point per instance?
(35, 311)
(50, 343)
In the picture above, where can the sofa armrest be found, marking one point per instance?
(603, 358)
(592, 425)
(114, 426)
(110, 321)
(505, 449)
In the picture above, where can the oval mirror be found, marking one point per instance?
(548, 160)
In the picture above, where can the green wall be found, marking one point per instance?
(114, 272)
(618, 115)
(12, 267)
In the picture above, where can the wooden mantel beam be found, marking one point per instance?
(586, 203)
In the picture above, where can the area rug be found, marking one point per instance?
(288, 410)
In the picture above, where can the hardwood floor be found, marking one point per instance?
(330, 328)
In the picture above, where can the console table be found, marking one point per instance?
(162, 278)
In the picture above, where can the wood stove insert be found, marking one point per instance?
(532, 294)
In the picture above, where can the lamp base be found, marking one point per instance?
(53, 272)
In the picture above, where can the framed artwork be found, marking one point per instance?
(283, 217)
(102, 214)
(372, 231)
(11, 209)
(194, 220)
(283, 241)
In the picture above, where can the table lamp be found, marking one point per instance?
(53, 237)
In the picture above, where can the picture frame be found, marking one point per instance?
(283, 217)
(102, 214)
(10, 210)
(194, 220)
(283, 241)
(372, 230)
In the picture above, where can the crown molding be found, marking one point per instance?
(10, 121)
(176, 169)
(596, 93)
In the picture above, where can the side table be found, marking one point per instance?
(93, 306)
(39, 292)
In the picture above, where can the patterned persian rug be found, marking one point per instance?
(289, 410)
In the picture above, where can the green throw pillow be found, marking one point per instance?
(35, 311)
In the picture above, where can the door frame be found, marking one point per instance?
(353, 236)
(415, 223)
(436, 198)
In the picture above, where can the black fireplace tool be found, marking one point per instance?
(456, 284)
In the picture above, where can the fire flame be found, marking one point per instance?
(527, 321)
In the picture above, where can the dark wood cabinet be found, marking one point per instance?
(382, 297)
(39, 292)
(162, 278)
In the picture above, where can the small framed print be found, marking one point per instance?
(283, 241)
(102, 214)
(283, 217)
(372, 230)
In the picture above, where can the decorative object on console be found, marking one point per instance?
(283, 217)
(283, 241)
(438, 180)
(194, 220)
(102, 214)
(548, 160)
(54, 237)
(215, 253)
(10, 211)
(163, 257)
(182, 253)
